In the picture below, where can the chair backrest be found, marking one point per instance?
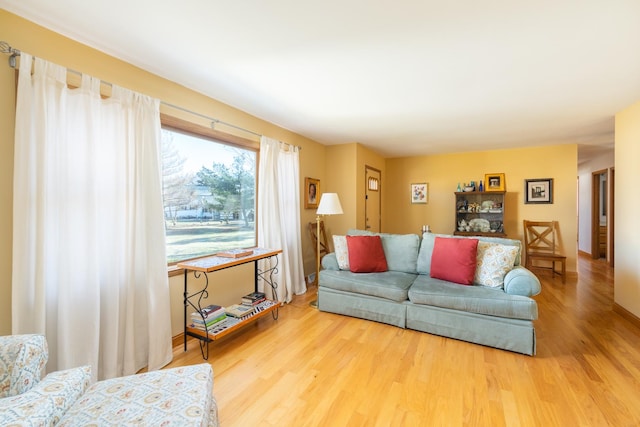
(540, 237)
(313, 231)
(22, 360)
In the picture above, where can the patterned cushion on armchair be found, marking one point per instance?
(46, 402)
(170, 397)
(22, 358)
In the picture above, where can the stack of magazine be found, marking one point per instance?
(253, 298)
(248, 306)
(208, 318)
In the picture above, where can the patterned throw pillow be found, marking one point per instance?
(342, 251)
(494, 261)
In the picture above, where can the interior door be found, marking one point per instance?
(599, 204)
(372, 204)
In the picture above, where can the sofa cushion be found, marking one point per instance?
(428, 240)
(47, 402)
(494, 261)
(454, 260)
(170, 397)
(366, 254)
(474, 299)
(22, 359)
(342, 251)
(400, 250)
(391, 285)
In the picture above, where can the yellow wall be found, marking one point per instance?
(627, 248)
(444, 172)
(341, 179)
(38, 41)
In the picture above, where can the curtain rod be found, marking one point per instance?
(13, 53)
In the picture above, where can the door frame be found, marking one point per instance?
(368, 168)
(611, 216)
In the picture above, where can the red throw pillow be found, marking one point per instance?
(366, 254)
(454, 260)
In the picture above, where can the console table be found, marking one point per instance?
(201, 268)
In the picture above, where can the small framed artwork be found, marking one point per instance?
(419, 193)
(494, 182)
(311, 193)
(538, 190)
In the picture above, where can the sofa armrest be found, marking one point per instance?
(22, 359)
(47, 402)
(520, 281)
(330, 262)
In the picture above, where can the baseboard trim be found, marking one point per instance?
(178, 340)
(617, 308)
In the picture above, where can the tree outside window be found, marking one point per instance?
(209, 195)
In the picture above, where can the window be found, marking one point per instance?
(209, 193)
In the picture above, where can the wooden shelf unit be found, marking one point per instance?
(494, 216)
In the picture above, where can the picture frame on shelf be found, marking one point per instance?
(311, 193)
(494, 182)
(419, 193)
(538, 191)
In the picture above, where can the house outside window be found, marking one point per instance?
(209, 195)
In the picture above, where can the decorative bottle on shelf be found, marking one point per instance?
(481, 187)
(458, 189)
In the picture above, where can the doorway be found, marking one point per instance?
(602, 223)
(372, 199)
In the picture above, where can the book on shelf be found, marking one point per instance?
(209, 328)
(209, 312)
(239, 310)
(198, 320)
(253, 298)
(235, 253)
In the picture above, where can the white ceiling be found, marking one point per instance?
(403, 77)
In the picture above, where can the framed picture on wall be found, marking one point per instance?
(419, 193)
(311, 193)
(538, 190)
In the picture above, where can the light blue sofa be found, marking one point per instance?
(406, 296)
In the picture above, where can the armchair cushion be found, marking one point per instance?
(22, 358)
(170, 397)
(47, 402)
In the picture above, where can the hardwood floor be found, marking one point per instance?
(319, 369)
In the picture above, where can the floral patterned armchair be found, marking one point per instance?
(179, 396)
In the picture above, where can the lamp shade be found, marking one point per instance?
(329, 204)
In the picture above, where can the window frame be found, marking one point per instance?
(176, 124)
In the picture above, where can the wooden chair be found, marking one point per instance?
(541, 247)
(324, 246)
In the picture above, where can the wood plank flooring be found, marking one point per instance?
(310, 368)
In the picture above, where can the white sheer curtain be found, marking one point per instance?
(89, 263)
(279, 215)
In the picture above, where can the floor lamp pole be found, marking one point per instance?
(316, 280)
